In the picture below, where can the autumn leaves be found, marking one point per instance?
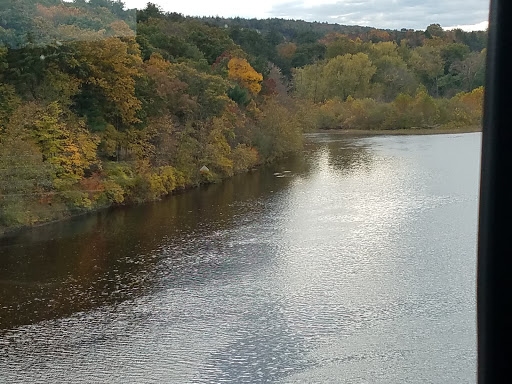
(245, 75)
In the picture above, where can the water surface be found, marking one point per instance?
(356, 266)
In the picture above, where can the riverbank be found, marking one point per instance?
(10, 231)
(348, 132)
(398, 132)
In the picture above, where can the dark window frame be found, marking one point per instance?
(495, 238)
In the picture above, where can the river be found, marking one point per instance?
(357, 265)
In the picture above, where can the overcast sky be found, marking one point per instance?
(393, 14)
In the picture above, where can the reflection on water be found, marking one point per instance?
(357, 266)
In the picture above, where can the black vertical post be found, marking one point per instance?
(495, 226)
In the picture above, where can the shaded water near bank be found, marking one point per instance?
(356, 266)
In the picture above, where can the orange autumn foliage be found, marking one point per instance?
(286, 50)
(377, 35)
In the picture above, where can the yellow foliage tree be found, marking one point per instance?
(474, 100)
(242, 72)
(70, 150)
(119, 28)
(217, 150)
(244, 157)
(467, 108)
(112, 65)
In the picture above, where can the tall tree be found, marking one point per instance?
(242, 72)
(427, 62)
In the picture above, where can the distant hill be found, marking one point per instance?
(290, 29)
(301, 31)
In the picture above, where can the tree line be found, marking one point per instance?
(365, 78)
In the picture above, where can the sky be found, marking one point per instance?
(393, 14)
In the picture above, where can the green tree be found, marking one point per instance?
(308, 54)
(341, 46)
(347, 75)
(309, 83)
(452, 53)
(471, 70)
(434, 30)
(278, 133)
(9, 101)
(392, 75)
(427, 62)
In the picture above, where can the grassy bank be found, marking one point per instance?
(402, 132)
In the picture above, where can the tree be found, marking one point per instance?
(109, 69)
(151, 11)
(16, 22)
(428, 64)
(25, 179)
(9, 101)
(376, 36)
(471, 70)
(308, 54)
(434, 30)
(209, 92)
(309, 83)
(286, 50)
(239, 95)
(278, 131)
(217, 153)
(242, 72)
(467, 108)
(347, 75)
(392, 78)
(425, 109)
(401, 114)
(210, 41)
(253, 43)
(162, 92)
(452, 53)
(69, 148)
(341, 46)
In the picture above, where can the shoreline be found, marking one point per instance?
(400, 132)
(12, 232)
(345, 132)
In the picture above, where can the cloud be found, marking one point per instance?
(392, 14)
(472, 27)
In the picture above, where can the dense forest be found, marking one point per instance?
(100, 105)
